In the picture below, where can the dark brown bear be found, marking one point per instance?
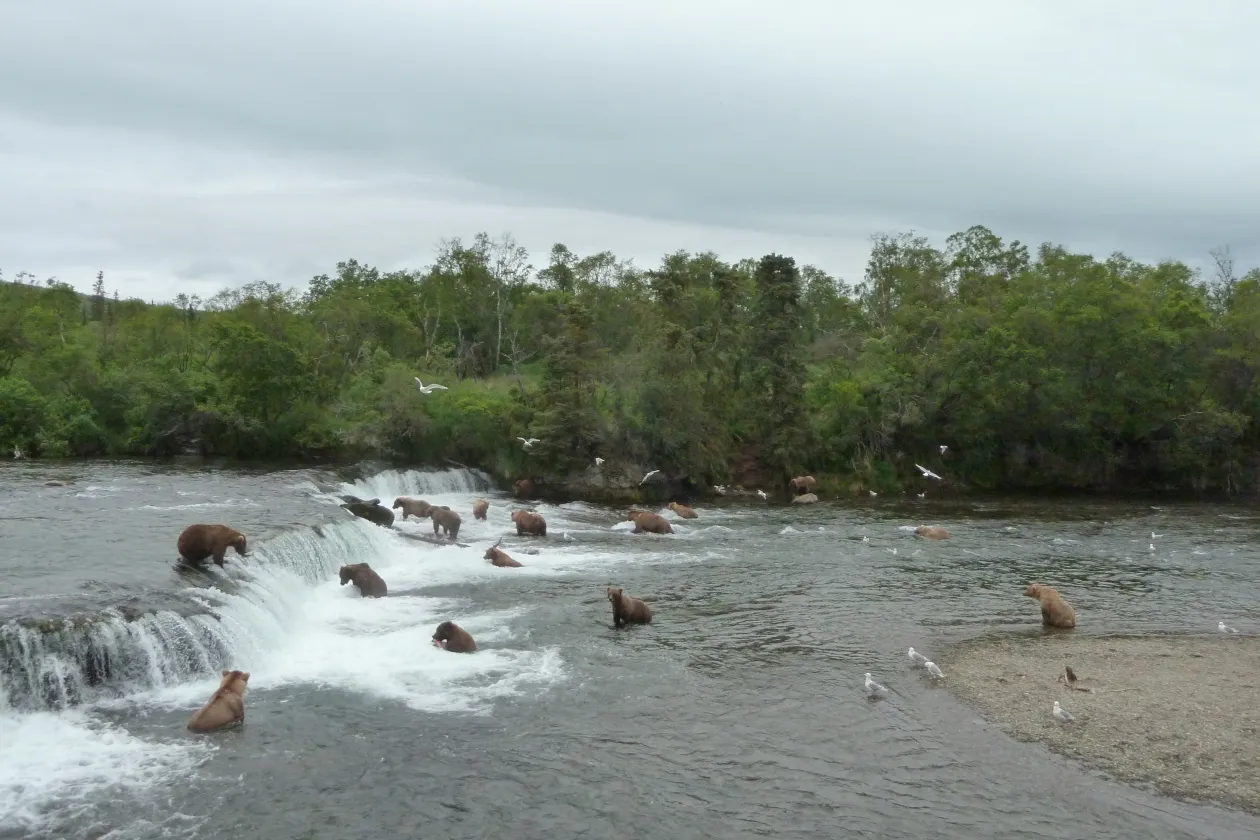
(450, 636)
(197, 542)
(370, 584)
(627, 610)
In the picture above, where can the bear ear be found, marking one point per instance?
(244, 675)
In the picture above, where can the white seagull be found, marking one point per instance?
(649, 475)
(1061, 714)
(916, 657)
(599, 462)
(429, 389)
(944, 449)
(874, 689)
(933, 670)
(528, 444)
(873, 493)
(762, 494)
(1224, 628)
(923, 495)
(720, 489)
(928, 473)
(1155, 536)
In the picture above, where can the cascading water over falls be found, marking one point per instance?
(58, 663)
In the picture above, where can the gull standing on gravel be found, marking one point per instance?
(429, 389)
(933, 670)
(874, 689)
(1061, 714)
(916, 657)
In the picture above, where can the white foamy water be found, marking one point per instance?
(283, 616)
(67, 756)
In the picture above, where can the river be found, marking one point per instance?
(738, 713)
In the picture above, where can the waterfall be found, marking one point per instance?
(58, 663)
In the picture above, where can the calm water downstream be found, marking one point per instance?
(738, 714)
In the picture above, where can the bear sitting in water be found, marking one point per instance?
(226, 707)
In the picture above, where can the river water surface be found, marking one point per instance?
(738, 713)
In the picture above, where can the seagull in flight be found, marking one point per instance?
(873, 493)
(599, 462)
(928, 473)
(649, 475)
(429, 389)
(528, 444)
(944, 449)
(762, 494)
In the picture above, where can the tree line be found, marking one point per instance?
(1037, 370)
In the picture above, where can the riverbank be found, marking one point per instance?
(1179, 713)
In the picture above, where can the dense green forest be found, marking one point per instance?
(1037, 370)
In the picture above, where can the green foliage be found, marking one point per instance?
(1038, 367)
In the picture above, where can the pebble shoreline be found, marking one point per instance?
(1180, 713)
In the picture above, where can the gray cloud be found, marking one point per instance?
(272, 138)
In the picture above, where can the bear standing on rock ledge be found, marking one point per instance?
(197, 542)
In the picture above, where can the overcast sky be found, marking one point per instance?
(185, 147)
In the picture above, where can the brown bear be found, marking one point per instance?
(931, 532)
(528, 522)
(682, 510)
(371, 585)
(418, 508)
(226, 707)
(1055, 612)
(450, 636)
(197, 542)
(499, 557)
(803, 484)
(445, 518)
(524, 488)
(480, 506)
(627, 610)
(650, 523)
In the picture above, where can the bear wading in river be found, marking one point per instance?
(197, 542)
(649, 523)
(444, 517)
(226, 707)
(627, 610)
(480, 506)
(450, 636)
(682, 510)
(418, 508)
(529, 523)
(370, 584)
